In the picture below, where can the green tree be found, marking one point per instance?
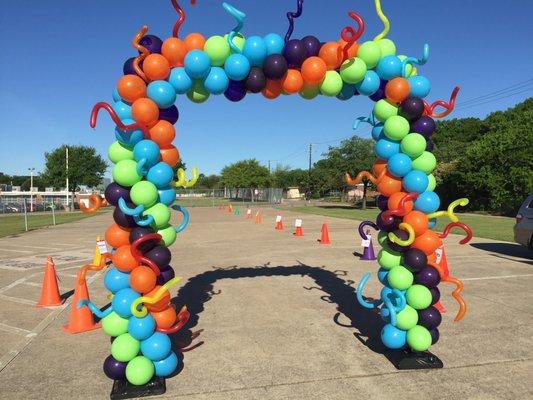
(284, 177)
(245, 174)
(208, 182)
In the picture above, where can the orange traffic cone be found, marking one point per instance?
(230, 209)
(441, 261)
(258, 218)
(81, 319)
(324, 239)
(49, 290)
(279, 223)
(298, 225)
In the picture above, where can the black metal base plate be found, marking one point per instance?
(122, 389)
(417, 360)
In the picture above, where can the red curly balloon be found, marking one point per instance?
(401, 210)
(429, 109)
(183, 317)
(350, 35)
(135, 252)
(464, 227)
(181, 18)
(103, 105)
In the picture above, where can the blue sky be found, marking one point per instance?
(60, 57)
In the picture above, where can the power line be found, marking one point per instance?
(492, 100)
(505, 90)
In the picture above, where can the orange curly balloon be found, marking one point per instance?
(95, 202)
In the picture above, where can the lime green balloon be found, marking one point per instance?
(407, 318)
(114, 325)
(396, 127)
(217, 49)
(370, 53)
(418, 338)
(140, 370)
(382, 237)
(125, 173)
(353, 70)
(388, 259)
(432, 183)
(125, 348)
(160, 213)
(413, 145)
(400, 278)
(309, 92)
(238, 40)
(198, 93)
(117, 152)
(331, 85)
(425, 162)
(418, 297)
(168, 235)
(144, 193)
(384, 110)
(408, 67)
(387, 47)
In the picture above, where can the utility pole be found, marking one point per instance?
(308, 194)
(31, 188)
(66, 158)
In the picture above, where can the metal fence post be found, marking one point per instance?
(25, 216)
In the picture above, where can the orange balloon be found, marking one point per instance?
(174, 51)
(142, 279)
(145, 111)
(170, 155)
(131, 88)
(163, 133)
(331, 53)
(352, 51)
(123, 260)
(432, 257)
(394, 202)
(418, 220)
(194, 41)
(117, 236)
(397, 90)
(272, 89)
(156, 67)
(158, 305)
(313, 70)
(388, 185)
(292, 82)
(428, 242)
(166, 318)
(379, 165)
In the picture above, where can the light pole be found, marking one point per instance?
(31, 188)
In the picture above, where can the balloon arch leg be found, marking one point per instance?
(412, 260)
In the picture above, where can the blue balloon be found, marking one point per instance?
(420, 86)
(167, 196)
(115, 280)
(415, 181)
(166, 366)
(347, 91)
(399, 164)
(432, 222)
(274, 43)
(197, 64)
(369, 85)
(382, 276)
(427, 202)
(180, 81)
(385, 148)
(389, 67)
(237, 67)
(160, 175)
(116, 96)
(216, 81)
(162, 93)
(122, 109)
(377, 132)
(156, 347)
(141, 328)
(147, 150)
(129, 138)
(255, 50)
(393, 337)
(122, 300)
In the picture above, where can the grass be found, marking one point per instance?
(13, 224)
(483, 226)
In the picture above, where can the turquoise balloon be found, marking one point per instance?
(255, 50)
(419, 85)
(237, 67)
(146, 150)
(156, 347)
(377, 132)
(141, 328)
(122, 300)
(393, 337)
(427, 202)
(180, 81)
(197, 64)
(389, 67)
(274, 43)
(216, 81)
(347, 91)
(166, 366)
(415, 181)
(122, 109)
(386, 148)
(399, 164)
(167, 196)
(369, 85)
(129, 138)
(116, 96)
(115, 280)
(161, 93)
(160, 175)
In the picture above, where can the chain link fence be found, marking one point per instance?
(214, 197)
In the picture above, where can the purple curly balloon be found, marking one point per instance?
(362, 226)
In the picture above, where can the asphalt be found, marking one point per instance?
(273, 316)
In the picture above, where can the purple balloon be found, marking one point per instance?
(139, 232)
(427, 276)
(128, 67)
(429, 145)
(434, 335)
(389, 225)
(170, 114)
(380, 93)
(411, 108)
(114, 369)
(312, 45)
(382, 202)
(256, 80)
(275, 66)
(429, 317)
(424, 125)
(160, 255)
(435, 294)
(236, 91)
(122, 219)
(403, 235)
(152, 43)
(415, 259)
(294, 52)
(167, 273)
(113, 192)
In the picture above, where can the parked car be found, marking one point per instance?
(523, 229)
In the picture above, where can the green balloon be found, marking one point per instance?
(387, 47)
(198, 93)
(418, 297)
(168, 235)
(407, 318)
(382, 238)
(139, 371)
(217, 49)
(384, 110)
(400, 278)
(353, 70)
(309, 92)
(396, 127)
(418, 338)
(114, 325)
(331, 85)
(413, 145)
(388, 259)
(145, 193)
(124, 348)
(238, 40)
(160, 213)
(425, 162)
(125, 173)
(432, 183)
(117, 152)
(370, 53)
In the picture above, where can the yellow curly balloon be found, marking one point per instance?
(384, 20)
(183, 182)
(450, 212)
(404, 227)
(151, 300)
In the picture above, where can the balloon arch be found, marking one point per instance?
(412, 261)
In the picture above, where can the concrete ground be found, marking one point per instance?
(273, 317)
